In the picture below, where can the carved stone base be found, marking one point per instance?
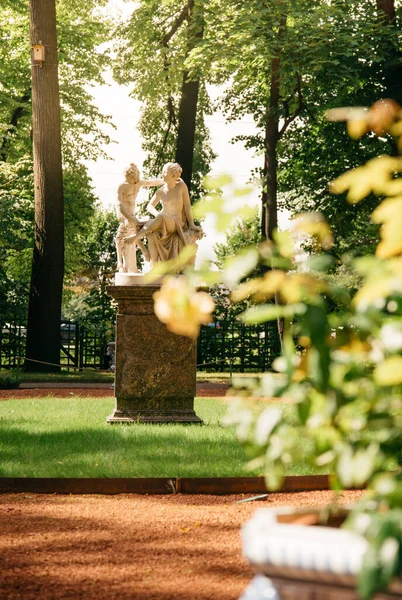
(155, 374)
(132, 279)
(153, 416)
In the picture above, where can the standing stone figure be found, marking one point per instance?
(173, 227)
(129, 224)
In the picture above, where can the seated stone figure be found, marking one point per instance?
(173, 227)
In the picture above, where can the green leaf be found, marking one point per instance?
(389, 372)
(213, 183)
(238, 267)
(269, 312)
(210, 204)
(303, 410)
(262, 313)
(319, 262)
(266, 422)
(273, 477)
(244, 191)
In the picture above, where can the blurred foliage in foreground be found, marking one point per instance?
(342, 369)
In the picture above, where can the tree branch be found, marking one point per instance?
(15, 117)
(291, 118)
(180, 19)
(172, 121)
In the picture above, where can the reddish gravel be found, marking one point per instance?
(56, 392)
(88, 392)
(129, 546)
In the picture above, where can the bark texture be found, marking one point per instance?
(387, 9)
(43, 334)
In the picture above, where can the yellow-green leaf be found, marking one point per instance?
(389, 372)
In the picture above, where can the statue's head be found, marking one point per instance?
(171, 170)
(132, 173)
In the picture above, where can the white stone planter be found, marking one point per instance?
(295, 562)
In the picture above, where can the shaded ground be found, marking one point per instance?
(129, 546)
(85, 393)
(39, 390)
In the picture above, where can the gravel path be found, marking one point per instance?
(122, 547)
(88, 392)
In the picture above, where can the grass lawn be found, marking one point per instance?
(63, 376)
(55, 437)
(95, 376)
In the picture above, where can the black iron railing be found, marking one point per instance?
(221, 346)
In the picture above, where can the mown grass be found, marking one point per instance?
(96, 376)
(55, 437)
(63, 376)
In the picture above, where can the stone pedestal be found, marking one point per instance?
(155, 376)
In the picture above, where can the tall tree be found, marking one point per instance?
(82, 64)
(282, 61)
(43, 332)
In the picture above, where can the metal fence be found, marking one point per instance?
(234, 346)
(221, 346)
(80, 346)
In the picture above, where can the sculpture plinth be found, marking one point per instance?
(155, 376)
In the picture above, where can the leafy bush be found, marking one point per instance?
(341, 362)
(344, 373)
(9, 380)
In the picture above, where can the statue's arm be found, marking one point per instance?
(152, 204)
(187, 208)
(151, 182)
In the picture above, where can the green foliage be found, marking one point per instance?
(16, 230)
(86, 299)
(342, 369)
(316, 151)
(328, 54)
(341, 360)
(9, 379)
(16, 215)
(82, 28)
(245, 232)
(378, 518)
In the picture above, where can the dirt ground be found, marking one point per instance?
(122, 547)
(67, 392)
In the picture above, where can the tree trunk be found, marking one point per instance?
(186, 128)
(270, 190)
(270, 186)
(16, 115)
(386, 9)
(392, 67)
(189, 99)
(43, 332)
